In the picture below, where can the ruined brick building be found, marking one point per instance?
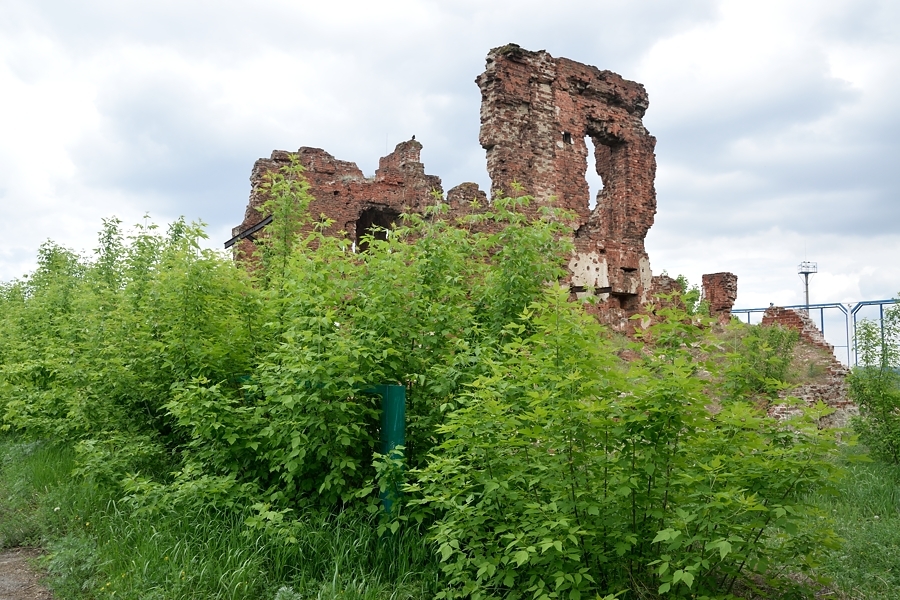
(536, 113)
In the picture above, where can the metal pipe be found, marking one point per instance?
(806, 285)
(847, 333)
(393, 432)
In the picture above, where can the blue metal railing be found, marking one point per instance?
(848, 310)
(845, 310)
(880, 304)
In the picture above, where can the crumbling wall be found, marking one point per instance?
(832, 389)
(800, 322)
(663, 284)
(343, 194)
(720, 292)
(536, 114)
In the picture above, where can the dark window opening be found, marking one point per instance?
(567, 137)
(628, 269)
(374, 221)
(625, 301)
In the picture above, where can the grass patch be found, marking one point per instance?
(866, 510)
(34, 481)
(97, 548)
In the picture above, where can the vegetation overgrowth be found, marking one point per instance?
(875, 385)
(866, 509)
(227, 403)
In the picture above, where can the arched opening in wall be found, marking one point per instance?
(594, 181)
(374, 221)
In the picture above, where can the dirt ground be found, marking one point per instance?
(18, 580)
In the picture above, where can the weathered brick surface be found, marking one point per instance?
(462, 197)
(343, 194)
(800, 322)
(536, 113)
(833, 389)
(663, 284)
(720, 291)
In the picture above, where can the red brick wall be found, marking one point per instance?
(798, 321)
(720, 291)
(536, 112)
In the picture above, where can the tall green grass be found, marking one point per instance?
(35, 485)
(98, 548)
(866, 509)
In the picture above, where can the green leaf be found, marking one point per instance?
(446, 552)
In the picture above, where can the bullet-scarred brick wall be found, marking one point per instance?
(536, 113)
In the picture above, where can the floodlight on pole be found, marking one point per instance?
(806, 269)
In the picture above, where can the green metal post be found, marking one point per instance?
(393, 430)
(393, 417)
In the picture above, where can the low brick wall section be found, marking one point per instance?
(832, 390)
(798, 321)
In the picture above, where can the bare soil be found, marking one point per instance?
(18, 579)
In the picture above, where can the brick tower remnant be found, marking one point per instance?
(720, 291)
(536, 113)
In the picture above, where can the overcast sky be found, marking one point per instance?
(778, 122)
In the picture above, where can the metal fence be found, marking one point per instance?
(854, 312)
(848, 314)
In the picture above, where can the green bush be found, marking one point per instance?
(567, 474)
(875, 385)
(541, 463)
(692, 297)
(759, 365)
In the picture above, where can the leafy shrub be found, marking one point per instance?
(875, 385)
(91, 350)
(692, 297)
(567, 474)
(760, 363)
(418, 308)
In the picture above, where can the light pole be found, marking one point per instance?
(806, 269)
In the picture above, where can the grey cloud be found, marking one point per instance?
(765, 108)
(813, 155)
(838, 177)
(157, 142)
(861, 22)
